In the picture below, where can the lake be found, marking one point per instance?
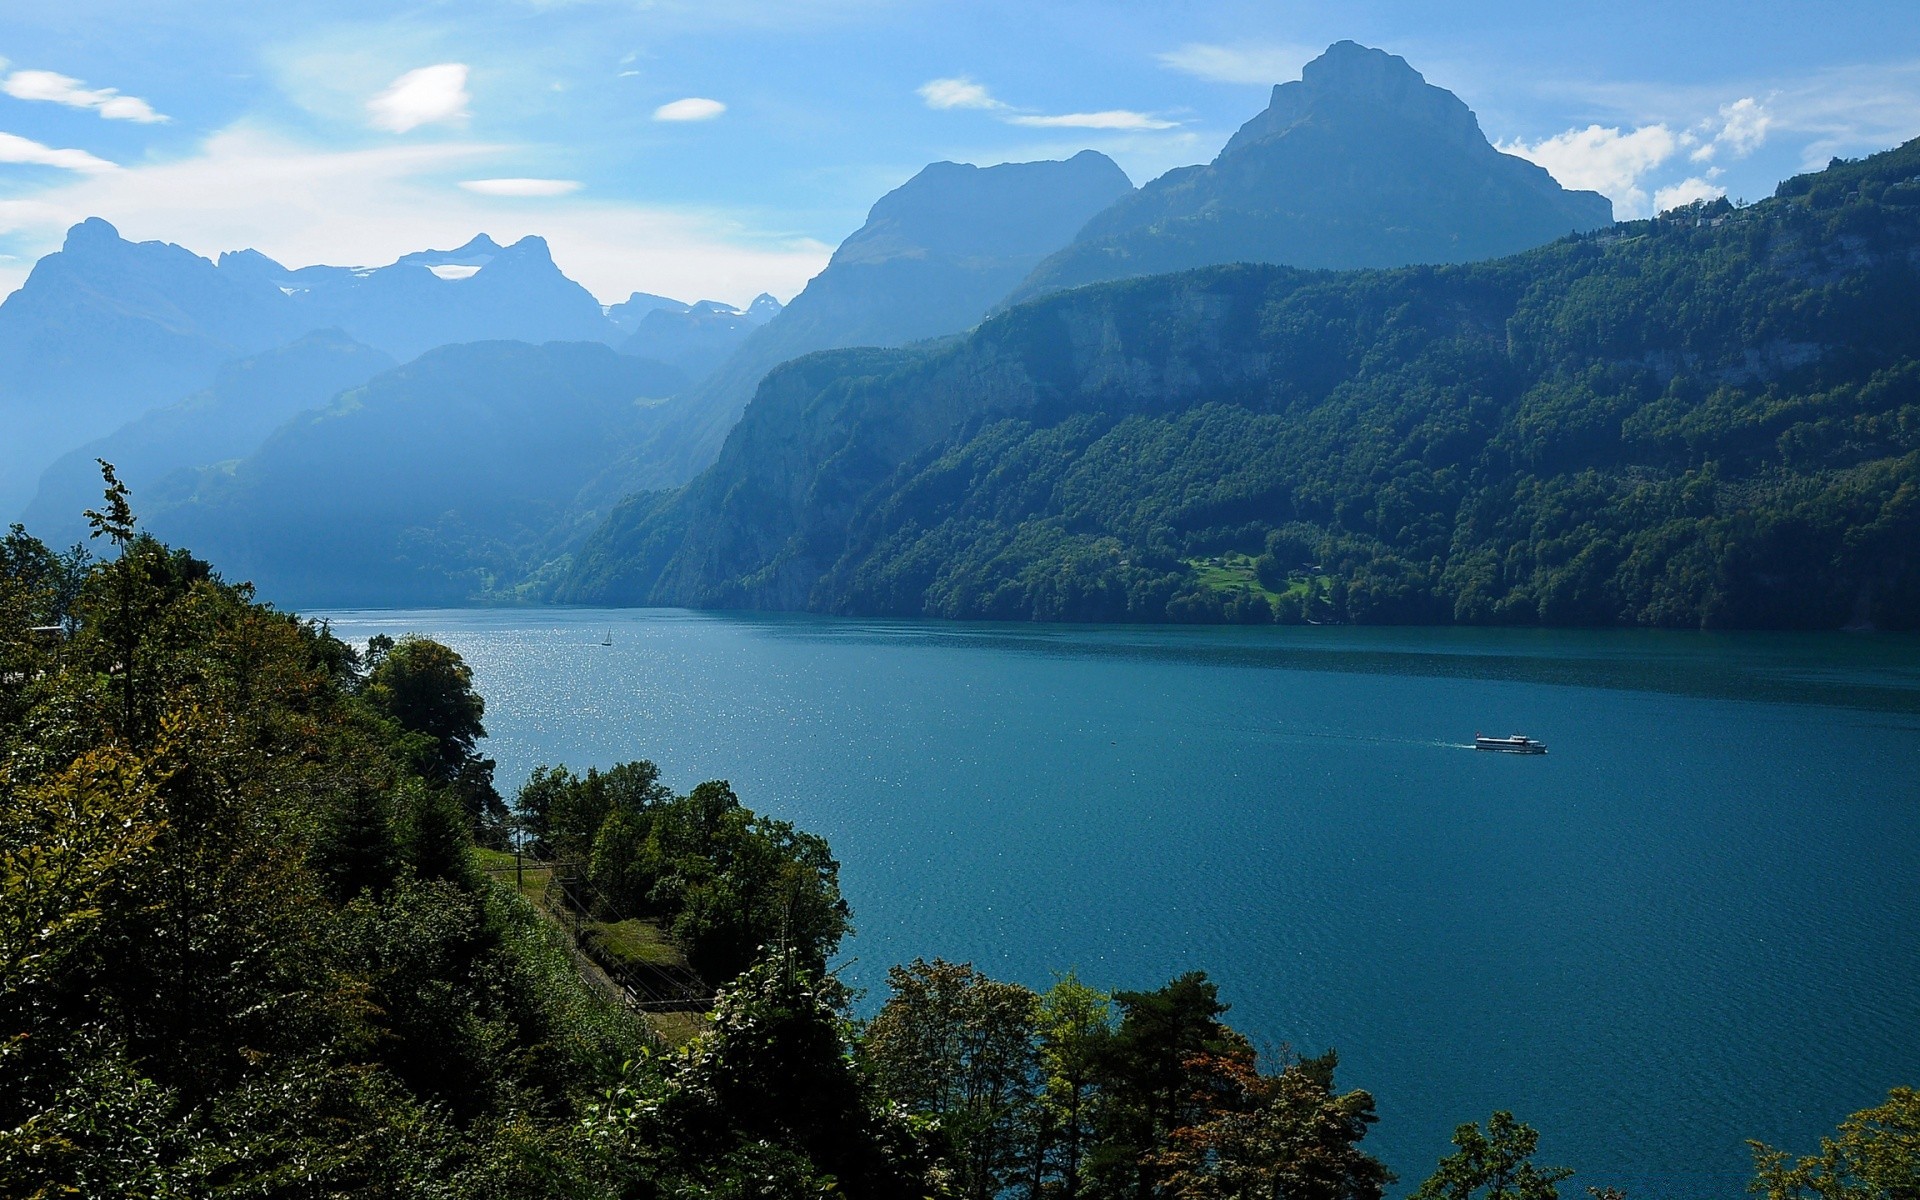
(1691, 923)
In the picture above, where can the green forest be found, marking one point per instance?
(261, 936)
(1708, 419)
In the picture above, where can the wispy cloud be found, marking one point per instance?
(522, 187)
(55, 88)
(693, 108)
(1252, 62)
(962, 92)
(426, 96)
(1746, 126)
(1114, 118)
(1846, 109)
(958, 92)
(16, 149)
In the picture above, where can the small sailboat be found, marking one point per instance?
(607, 640)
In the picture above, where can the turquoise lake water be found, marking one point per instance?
(1693, 922)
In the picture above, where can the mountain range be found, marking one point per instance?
(1362, 366)
(934, 255)
(451, 477)
(105, 330)
(246, 401)
(1711, 418)
(1358, 163)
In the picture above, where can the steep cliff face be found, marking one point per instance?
(1359, 163)
(1711, 418)
(934, 255)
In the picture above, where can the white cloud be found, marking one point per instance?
(1117, 118)
(962, 92)
(693, 108)
(959, 92)
(1261, 63)
(424, 96)
(55, 88)
(16, 149)
(1604, 160)
(1743, 129)
(521, 187)
(305, 205)
(1686, 192)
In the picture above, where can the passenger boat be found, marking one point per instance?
(1519, 743)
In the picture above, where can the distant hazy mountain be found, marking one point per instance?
(431, 483)
(105, 329)
(696, 338)
(248, 399)
(1360, 163)
(1708, 419)
(479, 292)
(626, 314)
(933, 256)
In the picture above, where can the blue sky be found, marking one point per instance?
(722, 147)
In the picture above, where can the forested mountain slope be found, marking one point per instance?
(1712, 418)
(1358, 163)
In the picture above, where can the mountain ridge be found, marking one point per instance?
(1359, 163)
(1704, 419)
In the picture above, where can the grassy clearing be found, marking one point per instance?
(1231, 573)
(677, 1028)
(633, 941)
(499, 864)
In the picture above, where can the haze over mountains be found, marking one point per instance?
(248, 399)
(890, 460)
(107, 329)
(448, 478)
(934, 255)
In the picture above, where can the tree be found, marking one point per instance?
(1287, 1134)
(428, 688)
(952, 1044)
(1148, 1074)
(1875, 1156)
(1075, 1023)
(771, 1082)
(1495, 1165)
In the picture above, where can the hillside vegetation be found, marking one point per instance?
(245, 951)
(1707, 419)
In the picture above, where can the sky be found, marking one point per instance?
(720, 148)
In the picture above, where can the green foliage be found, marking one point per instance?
(1707, 419)
(428, 689)
(1493, 1165)
(726, 882)
(768, 1104)
(242, 950)
(953, 1045)
(1874, 1156)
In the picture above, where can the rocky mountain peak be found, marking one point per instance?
(1355, 85)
